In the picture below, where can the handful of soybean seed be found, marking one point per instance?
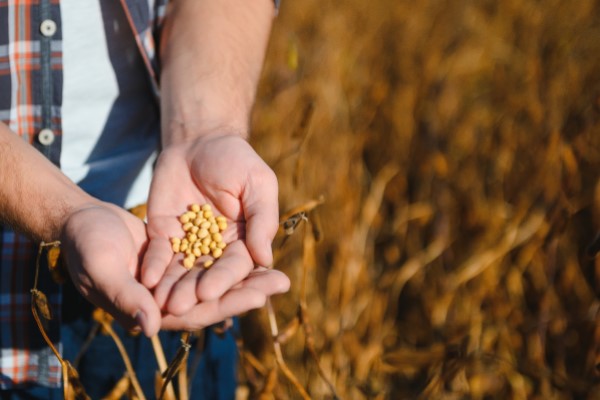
(203, 235)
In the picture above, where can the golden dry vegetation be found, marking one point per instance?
(455, 146)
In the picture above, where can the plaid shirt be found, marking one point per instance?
(30, 105)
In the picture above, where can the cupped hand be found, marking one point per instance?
(224, 171)
(102, 245)
(250, 293)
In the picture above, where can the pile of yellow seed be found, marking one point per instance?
(203, 235)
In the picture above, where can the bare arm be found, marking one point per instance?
(212, 54)
(35, 196)
(101, 242)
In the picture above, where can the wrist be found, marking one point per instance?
(79, 203)
(176, 131)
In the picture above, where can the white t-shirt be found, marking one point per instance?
(110, 117)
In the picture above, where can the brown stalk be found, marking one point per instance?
(72, 387)
(120, 388)
(176, 364)
(106, 323)
(161, 360)
(279, 355)
(182, 381)
(309, 263)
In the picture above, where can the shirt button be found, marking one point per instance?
(48, 27)
(46, 137)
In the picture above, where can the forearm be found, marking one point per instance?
(211, 58)
(35, 196)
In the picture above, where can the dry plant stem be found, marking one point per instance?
(279, 355)
(289, 331)
(130, 371)
(72, 387)
(305, 208)
(119, 389)
(42, 246)
(250, 364)
(182, 381)
(88, 341)
(308, 131)
(63, 365)
(308, 263)
(195, 362)
(350, 274)
(162, 362)
(270, 384)
(67, 390)
(174, 367)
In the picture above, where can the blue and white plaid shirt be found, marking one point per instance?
(31, 80)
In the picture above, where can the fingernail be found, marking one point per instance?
(141, 320)
(136, 330)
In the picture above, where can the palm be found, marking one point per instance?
(199, 173)
(104, 262)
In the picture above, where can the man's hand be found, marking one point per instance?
(224, 171)
(103, 245)
(209, 76)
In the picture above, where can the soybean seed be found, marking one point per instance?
(202, 233)
(205, 225)
(189, 261)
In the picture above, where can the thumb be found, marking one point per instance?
(261, 212)
(132, 304)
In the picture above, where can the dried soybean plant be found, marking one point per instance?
(72, 387)
(294, 220)
(467, 275)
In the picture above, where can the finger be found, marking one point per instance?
(269, 281)
(159, 253)
(234, 302)
(158, 256)
(207, 285)
(131, 304)
(173, 274)
(261, 211)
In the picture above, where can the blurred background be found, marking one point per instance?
(438, 165)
